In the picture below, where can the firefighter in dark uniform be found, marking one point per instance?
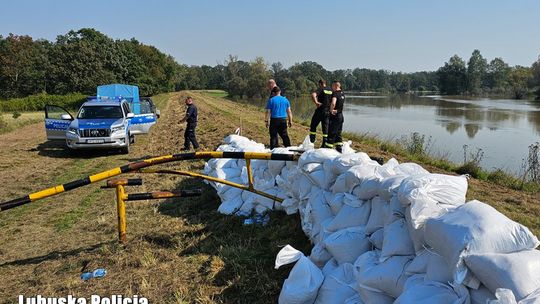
(336, 117)
(321, 99)
(191, 119)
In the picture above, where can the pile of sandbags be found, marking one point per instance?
(391, 233)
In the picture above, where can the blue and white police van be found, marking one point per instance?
(109, 120)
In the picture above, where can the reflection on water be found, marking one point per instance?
(502, 128)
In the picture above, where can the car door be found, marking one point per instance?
(57, 121)
(144, 120)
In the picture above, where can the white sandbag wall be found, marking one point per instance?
(391, 233)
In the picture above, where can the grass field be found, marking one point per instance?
(178, 250)
(9, 123)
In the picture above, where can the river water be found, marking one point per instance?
(502, 128)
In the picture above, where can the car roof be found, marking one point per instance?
(101, 103)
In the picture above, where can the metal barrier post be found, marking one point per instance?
(121, 211)
(250, 173)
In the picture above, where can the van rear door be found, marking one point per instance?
(57, 121)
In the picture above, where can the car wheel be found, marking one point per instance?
(131, 139)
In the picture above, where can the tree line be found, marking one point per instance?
(81, 60)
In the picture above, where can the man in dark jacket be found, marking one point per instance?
(321, 99)
(335, 125)
(191, 119)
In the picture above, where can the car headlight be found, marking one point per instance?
(118, 128)
(72, 130)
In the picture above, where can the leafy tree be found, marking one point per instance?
(476, 71)
(518, 79)
(497, 75)
(453, 76)
(536, 77)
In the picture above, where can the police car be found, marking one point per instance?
(105, 121)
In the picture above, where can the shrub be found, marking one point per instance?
(16, 114)
(38, 102)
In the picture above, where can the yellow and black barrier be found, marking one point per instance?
(136, 166)
(122, 197)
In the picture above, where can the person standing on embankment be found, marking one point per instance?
(321, 98)
(191, 119)
(277, 117)
(336, 117)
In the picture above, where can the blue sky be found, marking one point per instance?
(407, 36)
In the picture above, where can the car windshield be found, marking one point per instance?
(96, 112)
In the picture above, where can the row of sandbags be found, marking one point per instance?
(391, 233)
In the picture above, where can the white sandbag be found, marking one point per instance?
(226, 173)
(353, 213)
(346, 148)
(275, 166)
(222, 163)
(504, 296)
(344, 162)
(387, 277)
(318, 179)
(517, 271)
(347, 244)
(482, 295)
(419, 264)
(319, 255)
(316, 156)
(370, 296)
(370, 186)
(311, 167)
(396, 240)
(329, 175)
(395, 210)
(307, 144)
(475, 228)
(323, 231)
(444, 189)
(377, 238)
(389, 186)
(320, 210)
(290, 205)
(438, 269)
(304, 280)
(235, 139)
(416, 234)
(420, 291)
(337, 286)
(377, 216)
(231, 193)
(352, 177)
(410, 169)
(305, 187)
(230, 206)
(431, 195)
(355, 299)
(329, 267)
(336, 203)
(533, 298)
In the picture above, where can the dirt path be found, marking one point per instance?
(179, 251)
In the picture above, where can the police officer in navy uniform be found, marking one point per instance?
(336, 117)
(191, 119)
(321, 98)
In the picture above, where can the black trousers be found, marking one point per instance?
(278, 126)
(320, 116)
(335, 127)
(189, 136)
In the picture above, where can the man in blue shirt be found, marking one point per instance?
(278, 116)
